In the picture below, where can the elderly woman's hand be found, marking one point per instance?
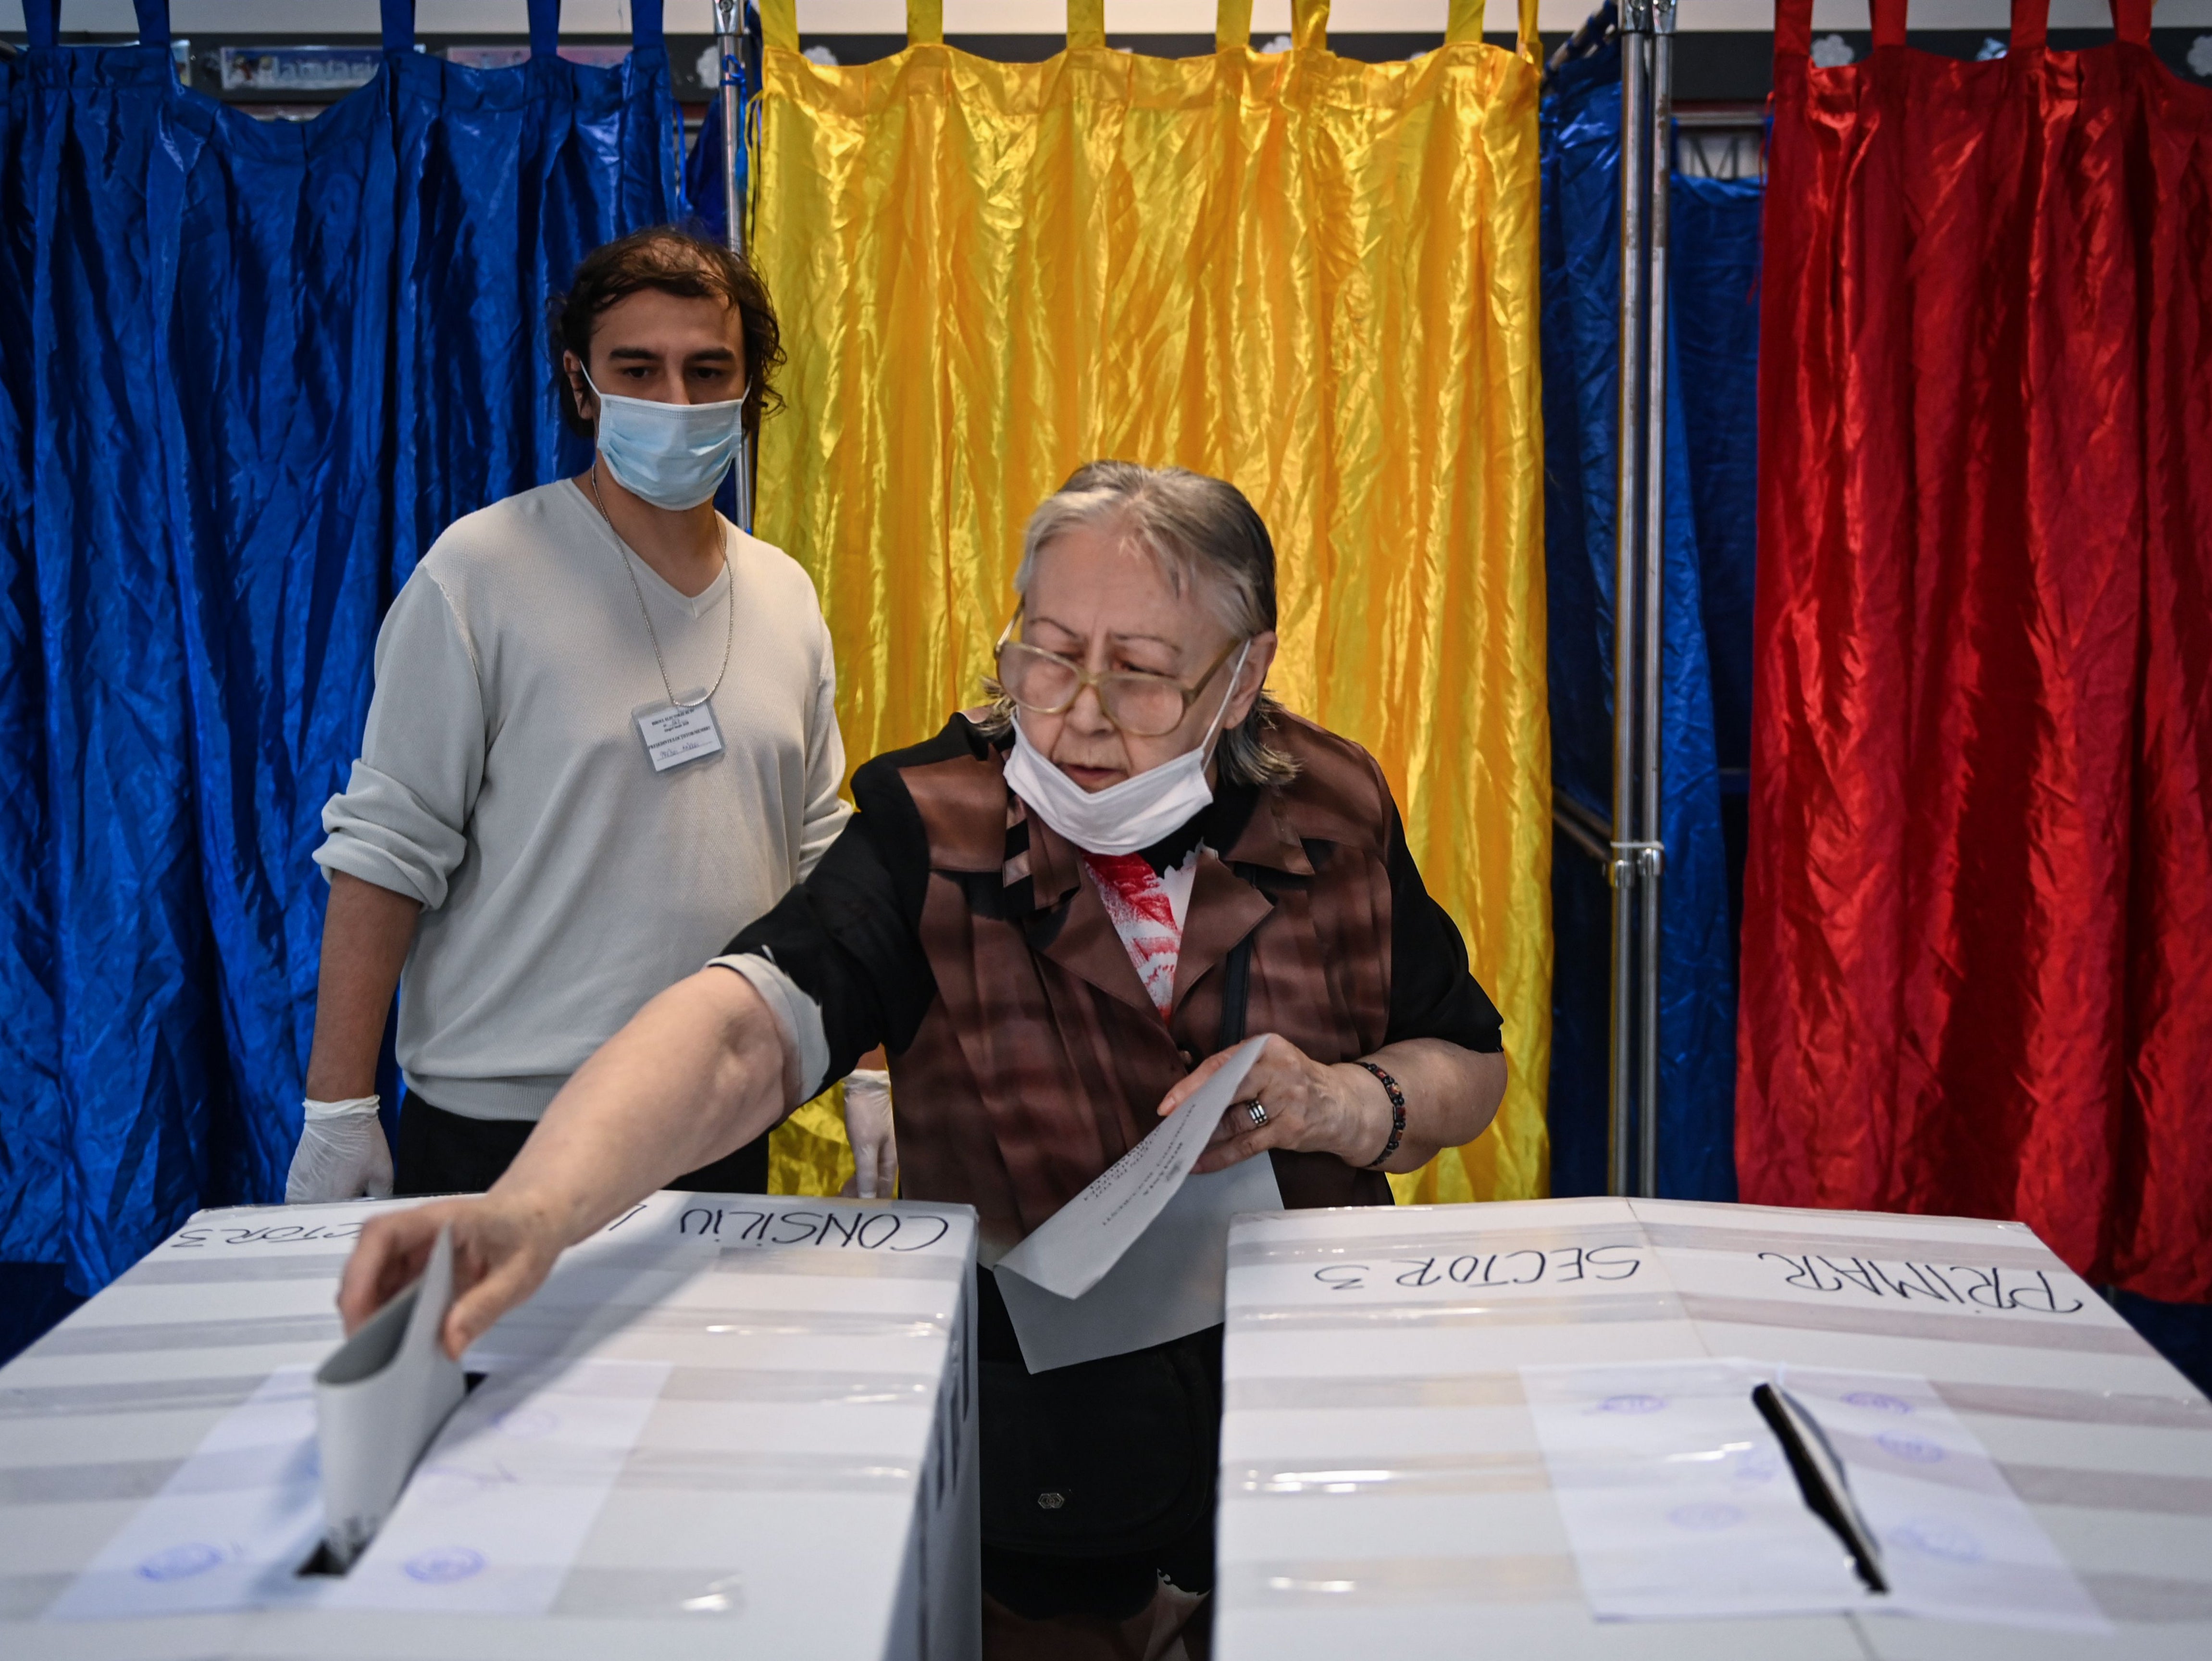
(1311, 1108)
(502, 1251)
(1450, 1093)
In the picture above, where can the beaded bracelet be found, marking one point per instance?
(1397, 1112)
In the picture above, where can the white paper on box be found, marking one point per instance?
(379, 1400)
(499, 1508)
(1678, 1499)
(230, 1528)
(1680, 1503)
(1958, 1544)
(1086, 1237)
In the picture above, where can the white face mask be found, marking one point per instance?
(672, 455)
(1126, 817)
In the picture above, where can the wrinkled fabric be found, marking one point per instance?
(31, 1131)
(1978, 940)
(1713, 286)
(265, 364)
(1709, 470)
(1315, 278)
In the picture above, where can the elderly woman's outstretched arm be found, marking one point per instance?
(698, 1072)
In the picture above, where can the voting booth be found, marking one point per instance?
(1530, 1427)
(711, 1404)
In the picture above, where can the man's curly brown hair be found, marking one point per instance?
(673, 261)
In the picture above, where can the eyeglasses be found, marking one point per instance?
(1143, 705)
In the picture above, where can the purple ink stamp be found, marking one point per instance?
(443, 1565)
(1875, 1401)
(1632, 1404)
(1917, 1449)
(180, 1562)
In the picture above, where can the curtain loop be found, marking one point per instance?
(1086, 23)
(2031, 25)
(1232, 25)
(41, 23)
(925, 22)
(1310, 24)
(779, 21)
(2131, 20)
(545, 28)
(1793, 29)
(1888, 23)
(1527, 41)
(1464, 24)
(398, 20)
(646, 29)
(153, 21)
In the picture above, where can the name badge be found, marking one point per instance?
(677, 733)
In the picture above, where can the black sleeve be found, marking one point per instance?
(850, 935)
(1432, 994)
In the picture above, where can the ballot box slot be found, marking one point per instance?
(324, 1563)
(380, 1398)
(1819, 1473)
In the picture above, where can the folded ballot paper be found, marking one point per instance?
(378, 1401)
(1139, 1258)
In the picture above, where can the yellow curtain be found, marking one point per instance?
(1315, 278)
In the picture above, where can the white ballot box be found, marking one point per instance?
(1529, 1429)
(726, 1426)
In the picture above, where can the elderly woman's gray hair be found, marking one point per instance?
(1210, 542)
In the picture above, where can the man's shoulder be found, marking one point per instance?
(507, 539)
(767, 575)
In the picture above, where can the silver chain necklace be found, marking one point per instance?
(729, 606)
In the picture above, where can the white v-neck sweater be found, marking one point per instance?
(503, 783)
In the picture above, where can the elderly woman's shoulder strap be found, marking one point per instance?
(957, 785)
(1340, 795)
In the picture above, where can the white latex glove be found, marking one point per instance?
(868, 1128)
(342, 1155)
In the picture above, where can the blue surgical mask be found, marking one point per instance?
(672, 455)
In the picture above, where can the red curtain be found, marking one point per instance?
(1977, 920)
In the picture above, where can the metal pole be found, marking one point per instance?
(1651, 857)
(729, 40)
(1628, 519)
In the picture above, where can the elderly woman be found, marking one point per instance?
(1056, 915)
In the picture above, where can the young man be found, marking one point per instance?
(603, 738)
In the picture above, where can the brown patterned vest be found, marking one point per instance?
(1042, 1061)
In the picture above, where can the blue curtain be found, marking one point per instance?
(1706, 646)
(267, 363)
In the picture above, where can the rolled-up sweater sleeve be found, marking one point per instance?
(826, 811)
(401, 822)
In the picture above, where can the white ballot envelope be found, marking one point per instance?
(1140, 1257)
(379, 1400)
